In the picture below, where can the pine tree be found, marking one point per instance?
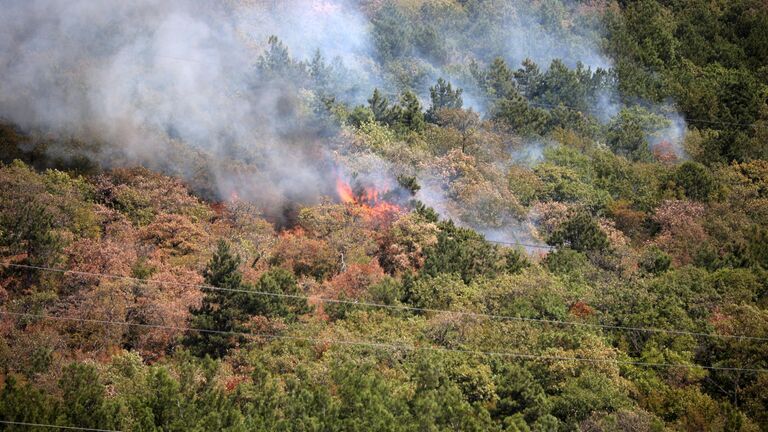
(224, 313)
(219, 311)
(83, 398)
(443, 96)
(322, 74)
(411, 118)
(529, 79)
(580, 233)
(499, 80)
(380, 107)
(24, 403)
(466, 253)
(278, 281)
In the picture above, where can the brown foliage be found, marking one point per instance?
(402, 245)
(355, 280)
(145, 194)
(477, 194)
(681, 229)
(107, 301)
(548, 216)
(747, 188)
(174, 235)
(629, 221)
(580, 309)
(165, 300)
(97, 256)
(305, 256)
(664, 152)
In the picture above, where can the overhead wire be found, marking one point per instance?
(387, 345)
(46, 425)
(389, 306)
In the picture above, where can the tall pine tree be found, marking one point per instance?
(221, 314)
(443, 96)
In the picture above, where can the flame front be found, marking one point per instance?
(345, 192)
(369, 199)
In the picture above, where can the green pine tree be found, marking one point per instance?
(83, 398)
(443, 96)
(379, 104)
(410, 116)
(219, 315)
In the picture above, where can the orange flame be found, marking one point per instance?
(345, 192)
(369, 199)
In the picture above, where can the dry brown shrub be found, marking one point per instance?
(354, 282)
(305, 256)
(402, 246)
(174, 235)
(681, 229)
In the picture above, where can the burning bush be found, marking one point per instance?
(375, 203)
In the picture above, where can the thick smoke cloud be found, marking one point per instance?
(154, 78)
(177, 85)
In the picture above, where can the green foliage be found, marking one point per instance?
(224, 312)
(655, 261)
(442, 291)
(585, 394)
(83, 398)
(361, 115)
(439, 402)
(466, 253)
(379, 106)
(695, 180)
(276, 63)
(403, 117)
(410, 116)
(519, 394)
(628, 133)
(580, 233)
(643, 240)
(498, 81)
(531, 293)
(30, 229)
(443, 96)
(221, 316)
(284, 304)
(391, 33)
(24, 403)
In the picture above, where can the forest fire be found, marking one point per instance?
(368, 198)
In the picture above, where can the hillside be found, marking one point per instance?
(418, 215)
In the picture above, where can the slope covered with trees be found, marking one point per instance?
(565, 247)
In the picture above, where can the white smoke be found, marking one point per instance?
(146, 75)
(176, 85)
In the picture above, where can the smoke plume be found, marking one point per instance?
(199, 89)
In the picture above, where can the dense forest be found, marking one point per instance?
(384, 215)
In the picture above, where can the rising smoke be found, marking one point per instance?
(154, 78)
(180, 85)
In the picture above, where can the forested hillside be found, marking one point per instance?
(384, 215)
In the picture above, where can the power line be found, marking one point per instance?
(393, 307)
(16, 423)
(388, 346)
